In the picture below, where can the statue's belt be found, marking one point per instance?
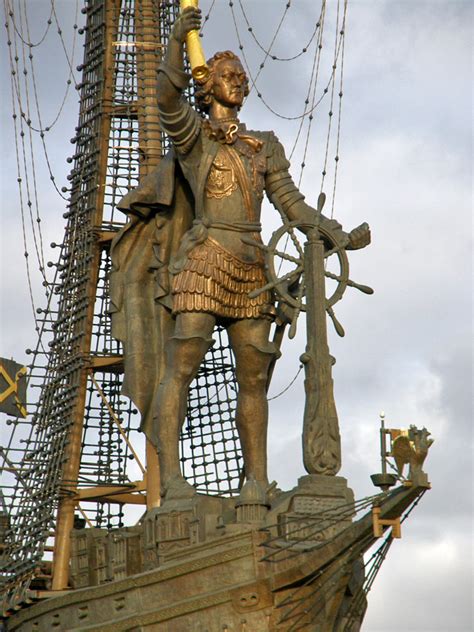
(238, 227)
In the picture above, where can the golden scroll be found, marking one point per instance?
(195, 53)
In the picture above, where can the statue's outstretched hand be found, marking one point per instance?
(189, 20)
(359, 237)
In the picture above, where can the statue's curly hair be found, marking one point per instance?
(203, 94)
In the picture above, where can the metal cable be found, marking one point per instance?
(267, 51)
(306, 112)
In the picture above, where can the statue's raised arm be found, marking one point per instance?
(171, 76)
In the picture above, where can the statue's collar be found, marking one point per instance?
(229, 132)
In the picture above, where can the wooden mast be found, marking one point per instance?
(68, 501)
(148, 51)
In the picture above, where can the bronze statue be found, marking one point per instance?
(185, 261)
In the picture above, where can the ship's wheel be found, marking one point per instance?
(285, 269)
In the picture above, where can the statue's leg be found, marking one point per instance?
(253, 354)
(184, 354)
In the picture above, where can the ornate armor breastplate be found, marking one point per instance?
(222, 180)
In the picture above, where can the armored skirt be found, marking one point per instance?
(215, 281)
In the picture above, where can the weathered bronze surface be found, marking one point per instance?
(196, 225)
(224, 567)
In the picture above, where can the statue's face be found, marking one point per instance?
(229, 83)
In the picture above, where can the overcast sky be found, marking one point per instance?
(405, 168)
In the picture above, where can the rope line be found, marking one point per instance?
(206, 17)
(313, 96)
(287, 387)
(42, 129)
(38, 242)
(275, 35)
(316, 61)
(28, 42)
(306, 112)
(267, 51)
(20, 134)
(339, 115)
(330, 113)
(22, 77)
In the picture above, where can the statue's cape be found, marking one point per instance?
(161, 210)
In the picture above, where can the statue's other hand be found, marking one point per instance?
(359, 237)
(189, 20)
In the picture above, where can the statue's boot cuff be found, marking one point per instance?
(209, 341)
(269, 349)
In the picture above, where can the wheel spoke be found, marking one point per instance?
(287, 257)
(296, 313)
(362, 288)
(296, 242)
(335, 277)
(337, 325)
(333, 251)
(272, 284)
